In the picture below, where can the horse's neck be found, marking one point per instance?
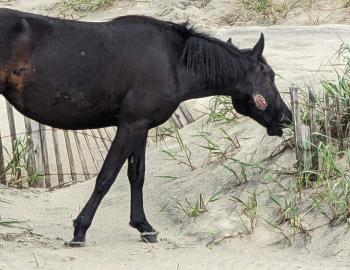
(201, 89)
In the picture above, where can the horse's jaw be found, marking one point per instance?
(3, 81)
(3, 88)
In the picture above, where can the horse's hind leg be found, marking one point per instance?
(121, 148)
(136, 174)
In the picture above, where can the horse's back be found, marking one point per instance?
(88, 69)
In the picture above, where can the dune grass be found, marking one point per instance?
(260, 11)
(87, 5)
(17, 169)
(198, 207)
(346, 3)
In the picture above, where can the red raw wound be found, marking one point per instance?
(260, 102)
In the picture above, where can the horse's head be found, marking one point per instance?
(256, 94)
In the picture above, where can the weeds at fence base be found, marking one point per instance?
(321, 125)
(17, 169)
(200, 206)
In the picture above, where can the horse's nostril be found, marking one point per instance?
(286, 118)
(282, 118)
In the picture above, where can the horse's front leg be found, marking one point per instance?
(122, 147)
(136, 174)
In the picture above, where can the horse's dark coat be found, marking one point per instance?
(131, 72)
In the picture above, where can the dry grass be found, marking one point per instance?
(260, 11)
(87, 5)
(318, 12)
(76, 9)
(275, 11)
(346, 3)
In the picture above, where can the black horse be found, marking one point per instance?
(131, 72)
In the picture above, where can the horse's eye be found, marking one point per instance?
(251, 101)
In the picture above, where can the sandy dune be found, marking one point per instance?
(296, 53)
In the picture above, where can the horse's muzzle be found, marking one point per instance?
(275, 131)
(286, 121)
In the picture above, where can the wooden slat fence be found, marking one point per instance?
(328, 122)
(55, 158)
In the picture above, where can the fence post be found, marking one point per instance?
(108, 136)
(176, 121)
(38, 153)
(103, 139)
(97, 144)
(89, 148)
(2, 165)
(70, 156)
(81, 156)
(30, 163)
(181, 117)
(58, 157)
(186, 113)
(313, 136)
(327, 118)
(297, 128)
(339, 123)
(12, 125)
(45, 155)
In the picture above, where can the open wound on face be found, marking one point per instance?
(260, 102)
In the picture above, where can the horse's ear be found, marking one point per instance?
(259, 47)
(229, 41)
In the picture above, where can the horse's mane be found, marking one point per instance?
(215, 61)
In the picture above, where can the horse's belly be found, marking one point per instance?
(84, 121)
(69, 111)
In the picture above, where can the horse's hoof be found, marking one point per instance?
(74, 244)
(149, 237)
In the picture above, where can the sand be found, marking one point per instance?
(216, 239)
